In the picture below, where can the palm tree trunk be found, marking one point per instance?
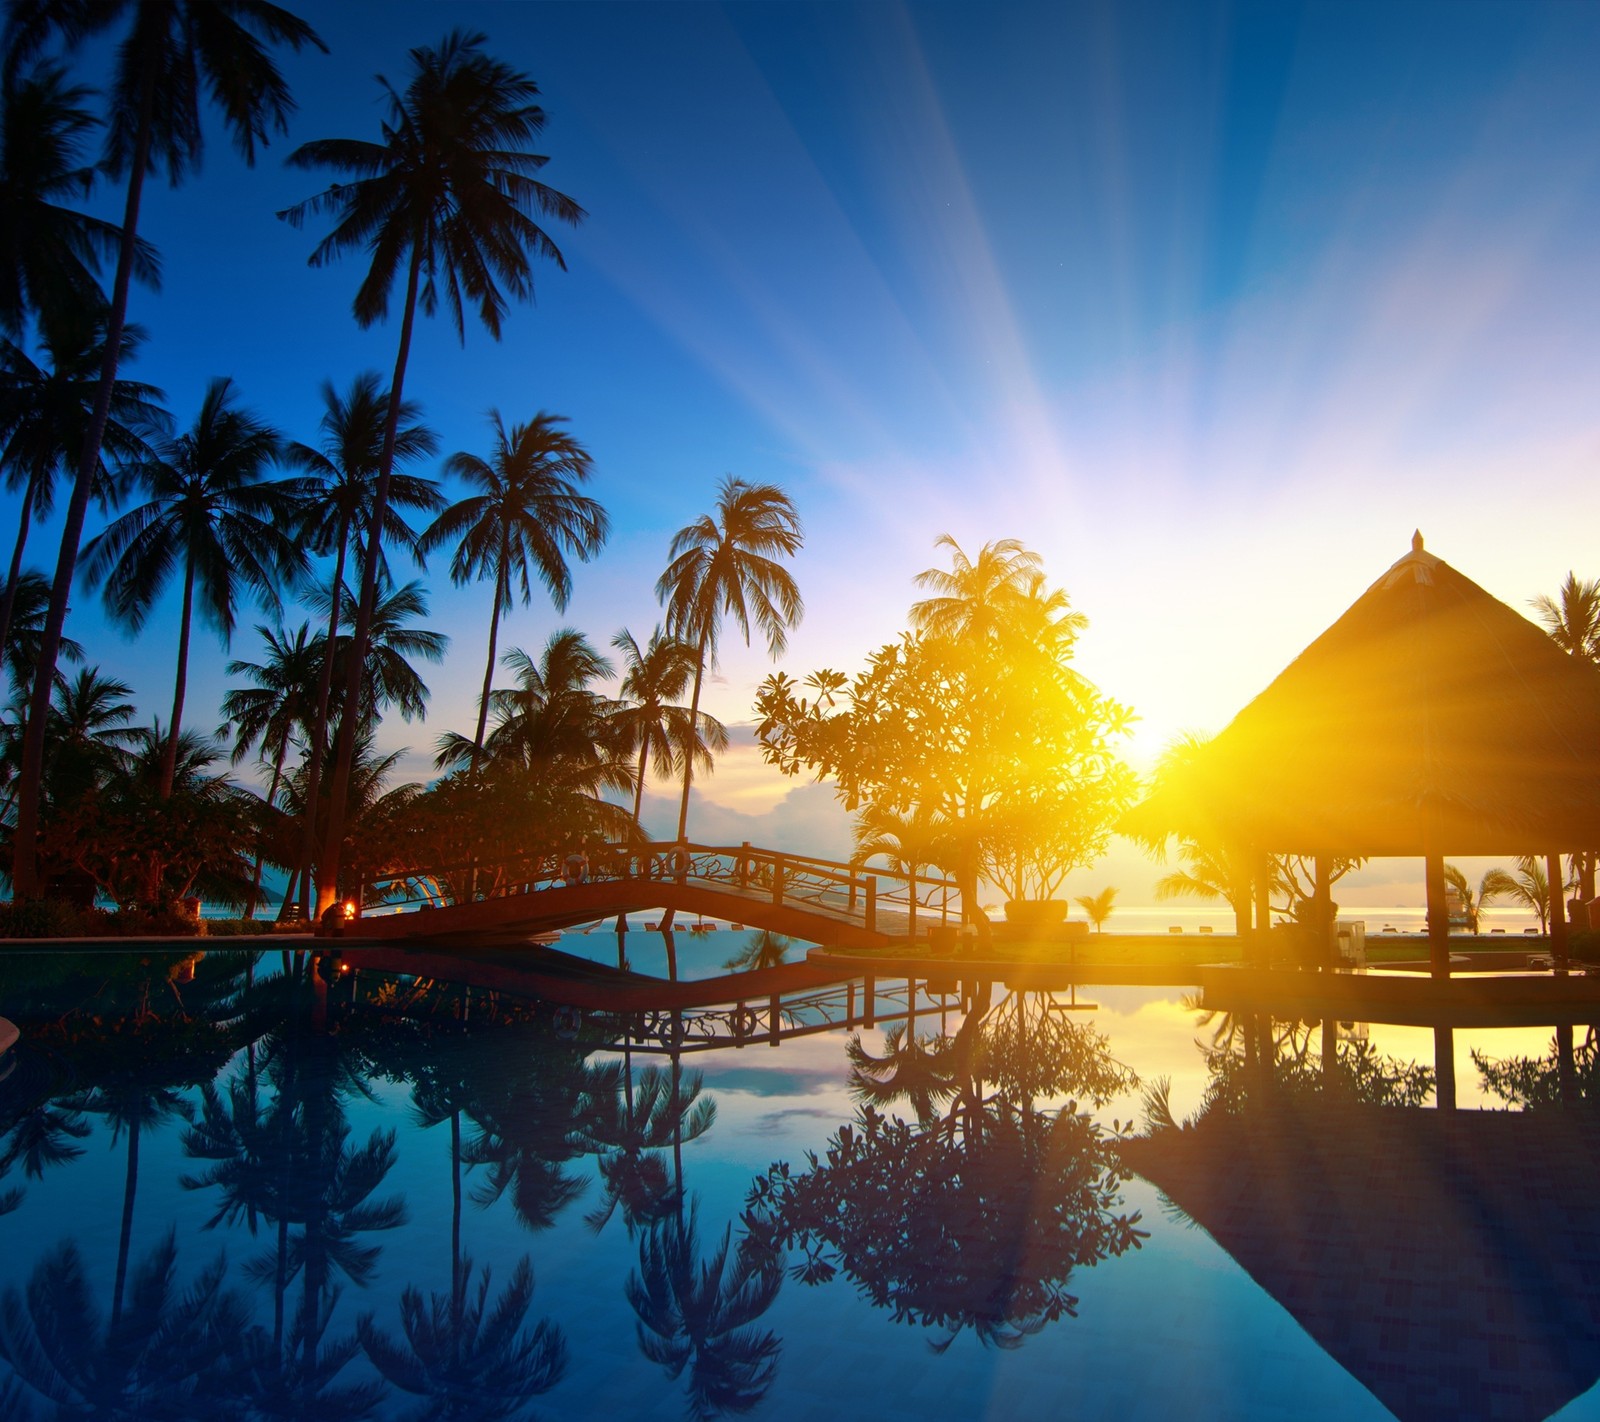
(694, 725)
(129, 1187)
(272, 797)
(488, 670)
(319, 727)
(169, 755)
(638, 791)
(15, 575)
(25, 865)
(344, 747)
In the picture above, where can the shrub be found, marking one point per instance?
(40, 918)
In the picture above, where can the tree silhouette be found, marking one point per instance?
(449, 194)
(210, 513)
(726, 562)
(173, 52)
(527, 515)
(44, 413)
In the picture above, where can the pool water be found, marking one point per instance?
(390, 1197)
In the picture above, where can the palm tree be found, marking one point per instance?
(45, 413)
(335, 496)
(1530, 887)
(551, 716)
(649, 716)
(528, 512)
(273, 711)
(21, 654)
(975, 599)
(211, 509)
(173, 51)
(49, 253)
(726, 562)
(908, 841)
(1097, 907)
(91, 739)
(388, 678)
(1495, 884)
(448, 193)
(1572, 617)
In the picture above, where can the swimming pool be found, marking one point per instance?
(388, 1196)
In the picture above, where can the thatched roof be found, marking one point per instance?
(1430, 713)
(1436, 1255)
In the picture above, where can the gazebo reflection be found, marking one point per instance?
(1443, 1258)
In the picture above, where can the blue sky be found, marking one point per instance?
(1210, 304)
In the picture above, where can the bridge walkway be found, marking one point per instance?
(818, 900)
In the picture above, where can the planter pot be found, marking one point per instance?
(943, 939)
(1035, 914)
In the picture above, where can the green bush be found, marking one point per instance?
(40, 918)
(1584, 944)
(168, 921)
(234, 927)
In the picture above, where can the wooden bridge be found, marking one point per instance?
(819, 900)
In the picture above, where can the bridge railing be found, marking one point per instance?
(851, 890)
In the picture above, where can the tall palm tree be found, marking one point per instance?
(21, 652)
(528, 513)
(448, 194)
(275, 710)
(1530, 887)
(648, 716)
(552, 714)
(1572, 617)
(172, 52)
(335, 490)
(50, 253)
(727, 562)
(1495, 884)
(973, 599)
(45, 412)
(211, 509)
(388, 677)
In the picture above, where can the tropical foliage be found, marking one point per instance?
(975, 719)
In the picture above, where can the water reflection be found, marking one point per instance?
(974, 1214)
(1436, 1255)
(1433, 1253)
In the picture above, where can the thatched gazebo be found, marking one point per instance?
(1430, 719)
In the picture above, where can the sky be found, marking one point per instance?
(1209, 304)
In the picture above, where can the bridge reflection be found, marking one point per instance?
(607, 1006)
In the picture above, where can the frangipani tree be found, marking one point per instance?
(976, 716)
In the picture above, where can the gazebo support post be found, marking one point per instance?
(1322, 910)
(1558, 911)
(1438, 915)
(1263, 929)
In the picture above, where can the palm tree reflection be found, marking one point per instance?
(698, 1315)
